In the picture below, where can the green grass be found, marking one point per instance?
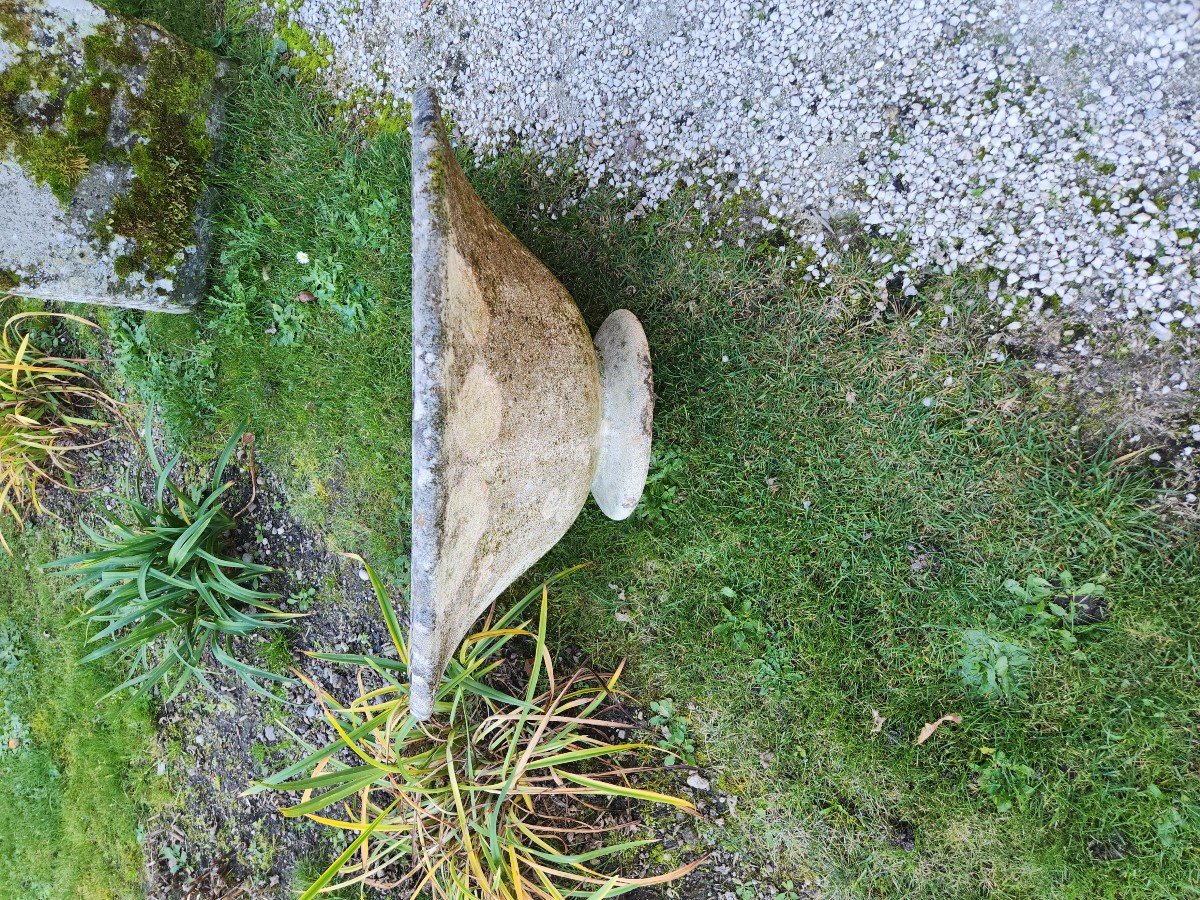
(816, 541)
(334, 401)
(79, 779)
(194, 20)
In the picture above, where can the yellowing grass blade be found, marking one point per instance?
(612, 682)
(358, 751)
(484, 635)
(346, 825)
(617, 790)
(463, 823)
(514, 866)
(328, 875)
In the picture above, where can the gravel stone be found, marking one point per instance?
(1057, 144)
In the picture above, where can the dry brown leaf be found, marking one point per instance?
(931, 727)
(878, 721)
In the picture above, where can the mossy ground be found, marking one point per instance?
(77, 777)
(836, 501)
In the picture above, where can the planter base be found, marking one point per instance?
(626, 414)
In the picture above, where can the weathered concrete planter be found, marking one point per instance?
(107, 125)
(517, 414)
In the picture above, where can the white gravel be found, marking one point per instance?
(1056, 142)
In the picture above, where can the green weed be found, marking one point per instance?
(169, 369)
(739, 625)
(991, 667)
(662, 494)
(673, 733)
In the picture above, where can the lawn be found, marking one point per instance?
(818, 569)
(77, 777)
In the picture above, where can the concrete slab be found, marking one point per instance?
(107, 127)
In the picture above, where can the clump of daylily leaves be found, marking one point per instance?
(48, 407)
(507, 792)
(163, 587)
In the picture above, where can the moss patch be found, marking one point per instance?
(32, 94)
(158, 212)
(14, 24)
(88, 114)
(300, 53)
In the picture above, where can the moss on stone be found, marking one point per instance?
(170, 162)
(87, 114)
(8, 279)
(56, 123)
(111, 45)
(33, 93)
(124, 265)
(14, 24)
(54, 161)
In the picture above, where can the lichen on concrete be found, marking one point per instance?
(116, 121)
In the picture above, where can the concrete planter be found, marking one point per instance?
(517, 413)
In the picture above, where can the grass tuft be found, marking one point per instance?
(46, 404)
(506, 793)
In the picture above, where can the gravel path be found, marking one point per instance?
(1053, 143)
(1058, 142)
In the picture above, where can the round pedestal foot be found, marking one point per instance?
(626, 416)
